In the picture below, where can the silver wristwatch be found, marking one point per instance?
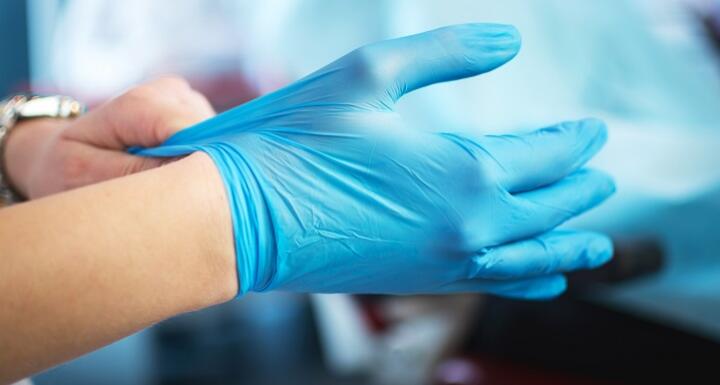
(22, 107)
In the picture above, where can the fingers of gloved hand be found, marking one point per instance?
(538, 211)
(557, 251)
(536, 288)
(528, 161)
(392, 68)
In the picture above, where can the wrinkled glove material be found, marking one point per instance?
(331, 191)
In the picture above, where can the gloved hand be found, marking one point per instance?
(331, 191)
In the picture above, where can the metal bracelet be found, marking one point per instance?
(8, 118)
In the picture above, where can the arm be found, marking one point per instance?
(329, 190)
(83, 268)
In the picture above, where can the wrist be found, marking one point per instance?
(24, 148)
(110, 259)
(207, 198)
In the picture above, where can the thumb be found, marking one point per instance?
(395, 67)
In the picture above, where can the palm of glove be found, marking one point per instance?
(332, 192)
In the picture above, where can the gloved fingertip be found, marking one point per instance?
(599, 251)
(600, 183)
(595, 129)
(505, 33)
(551, 287)
(487, 46)
(612, 186)
(605, 183)
(585, 136)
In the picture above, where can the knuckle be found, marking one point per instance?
(483, 177)
(194, 105)
(177, 80)
(192, 96)
(148, 101)
(367, 66)
(472, 174)
(159, 92)
(142, 94)
(174, 82)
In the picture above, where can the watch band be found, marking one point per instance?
(7, 195)
(23, 107)
(8, 118)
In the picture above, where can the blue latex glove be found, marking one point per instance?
(331, 191)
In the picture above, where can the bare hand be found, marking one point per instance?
(46, 156)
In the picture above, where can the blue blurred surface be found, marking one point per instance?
(14, 66)
(646, 67)
(642, 65)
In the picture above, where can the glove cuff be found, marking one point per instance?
(253, 231)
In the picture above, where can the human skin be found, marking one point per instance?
(494, 200)
(83, 268)
(46, 156)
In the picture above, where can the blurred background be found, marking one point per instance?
(649, 68)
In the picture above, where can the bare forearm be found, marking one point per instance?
(84, 268)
